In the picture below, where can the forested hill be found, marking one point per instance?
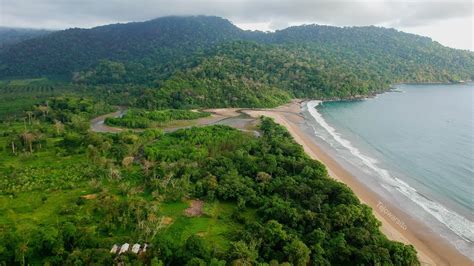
(9, 36)
(154, 42)
(208, 61)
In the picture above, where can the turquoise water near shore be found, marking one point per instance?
(417, 142)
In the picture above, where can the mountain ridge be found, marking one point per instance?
(10, 36)
(311, 61)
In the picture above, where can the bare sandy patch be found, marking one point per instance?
(166, 220)
(195, 208)
(224, 112)
(201, 234)
(89, 196)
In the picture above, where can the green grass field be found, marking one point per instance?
(215, 225)
(25, 178)
(28, 210)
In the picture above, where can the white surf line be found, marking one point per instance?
(461, 226)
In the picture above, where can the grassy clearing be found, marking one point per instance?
(30, 207)
(28, 210)
(215, 225)
(24, 178)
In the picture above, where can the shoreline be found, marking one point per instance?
(391, 87)
(397, 224)
(432, 249)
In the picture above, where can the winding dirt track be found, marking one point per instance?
(234, 117)
(98, 125)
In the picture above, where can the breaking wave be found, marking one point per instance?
(461, 226)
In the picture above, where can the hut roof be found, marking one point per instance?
(114, 249)
(136, 248)
(124, 248)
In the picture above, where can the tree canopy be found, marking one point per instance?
(207, 61)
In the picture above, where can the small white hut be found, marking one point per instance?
(136, 248)
(114, 249)
(124, 248)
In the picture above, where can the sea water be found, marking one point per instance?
(414, 146)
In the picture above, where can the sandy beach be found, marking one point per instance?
(431, 248)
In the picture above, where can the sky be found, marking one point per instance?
(449, 22)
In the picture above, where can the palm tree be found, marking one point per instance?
(22, 249)
(28, 139)
(147, 165)
(13, 147)
(44, 109)
(58, 126)
(29, 114)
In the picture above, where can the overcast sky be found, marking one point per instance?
(446, 21)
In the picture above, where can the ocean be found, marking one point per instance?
(414, 146)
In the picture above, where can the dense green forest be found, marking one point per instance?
(209, 195)
(9, 36)
(263, 199)
(207, 61)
